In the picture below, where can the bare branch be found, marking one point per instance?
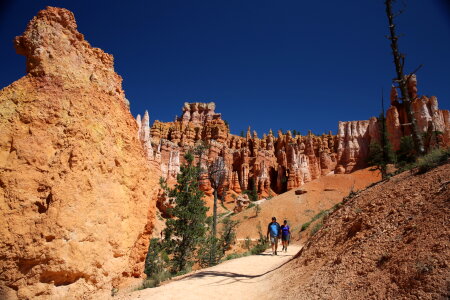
(217, 172)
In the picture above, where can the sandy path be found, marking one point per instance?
(242, 278)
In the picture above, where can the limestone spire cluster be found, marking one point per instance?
(275, 164)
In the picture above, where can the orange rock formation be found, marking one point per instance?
(75, 186)
(270, 164)
(276, 164)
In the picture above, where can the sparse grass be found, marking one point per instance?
(427, 162)
(236, 255)
(433, 159)
(148, 283)
(223, 206)
(247, 243)
(316, 228)
(336, 206)
(305, 226)
(158, 214)
(257, 249)
(155, 280)
(260, 247)
(321, 214)
(422, 267)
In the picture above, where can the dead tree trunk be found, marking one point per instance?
(216, 174)
(399, 61)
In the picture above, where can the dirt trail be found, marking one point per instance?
(241, 278)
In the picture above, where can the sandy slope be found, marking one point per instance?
(322, 194)
(242, 278)
(391, 241)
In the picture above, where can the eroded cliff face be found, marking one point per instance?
(430, 119)
(76, 190)
(275, 164)
(271, 164)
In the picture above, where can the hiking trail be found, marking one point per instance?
(240, 278)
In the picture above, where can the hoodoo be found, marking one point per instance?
(76, 191)
(275, 164)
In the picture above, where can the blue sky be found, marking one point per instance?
(268, 64)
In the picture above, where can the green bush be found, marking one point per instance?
(433, 159)
(156, 264)
(252, 194)
(305, 226)
(213, 249)
(247, 243)
(406, 154)
(233, 256)
(259, 248)
(263, 242)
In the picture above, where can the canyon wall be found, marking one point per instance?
(76, 190)
(270, 164)
(275, 164)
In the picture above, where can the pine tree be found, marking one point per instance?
(381, 154)
(213, 248)
(406, 154)
(186, 229)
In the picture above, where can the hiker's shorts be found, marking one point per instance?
(285, 237)
(273, 239)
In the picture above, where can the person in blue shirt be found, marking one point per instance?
(285, 235)
(274, 230)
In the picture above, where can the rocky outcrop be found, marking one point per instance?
(241, 203)
(353, 144)
(274, 164)
(76, 193)
(430, 119)
(269, 164)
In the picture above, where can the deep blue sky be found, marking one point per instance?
(269, 64)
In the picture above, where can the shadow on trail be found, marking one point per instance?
(270, 254)
(235, 277)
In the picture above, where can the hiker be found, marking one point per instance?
(285, 235)
(274, 230)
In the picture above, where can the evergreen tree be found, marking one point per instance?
(253, 192)
(406, 154)
(156, 262)
(213, 248)
(381, 154)
(187, 227)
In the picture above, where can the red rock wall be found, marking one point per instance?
(428, 116)
(272, 164)
(277, 164)
(76, 190)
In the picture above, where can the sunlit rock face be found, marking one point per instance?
(274, 164)
(76, 189)
(270, 164)
(430, 119)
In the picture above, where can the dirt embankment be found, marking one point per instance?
(389, 242)
(321, 194)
